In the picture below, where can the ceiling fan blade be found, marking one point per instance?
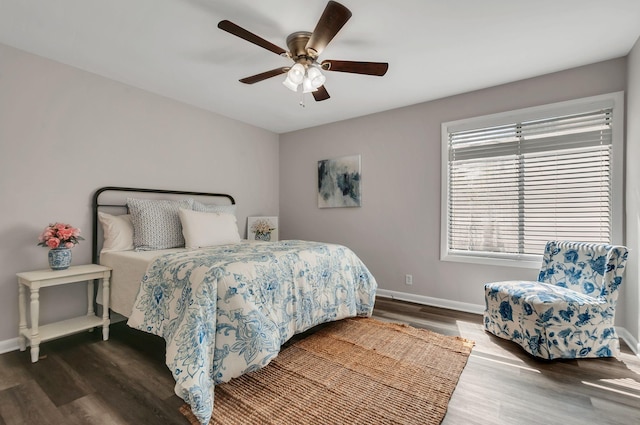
(367, 68)
(263, 76)
(333, 18)
(321, 94)
(234, 29)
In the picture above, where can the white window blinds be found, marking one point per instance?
(513, 187)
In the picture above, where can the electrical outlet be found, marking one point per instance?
(408, 279)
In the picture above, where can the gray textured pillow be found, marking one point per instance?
(211, 208)
(156, 223)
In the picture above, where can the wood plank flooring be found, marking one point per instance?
(81, 380)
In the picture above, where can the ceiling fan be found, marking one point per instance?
(304, 49)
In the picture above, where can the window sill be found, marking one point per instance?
(524, 262)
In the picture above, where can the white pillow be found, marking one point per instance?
(202, 229)
(117, 232)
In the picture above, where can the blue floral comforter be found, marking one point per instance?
(226, 310)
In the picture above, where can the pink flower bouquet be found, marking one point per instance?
(59, 235)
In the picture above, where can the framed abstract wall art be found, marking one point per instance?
(339, 182)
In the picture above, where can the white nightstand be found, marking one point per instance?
(44, 278)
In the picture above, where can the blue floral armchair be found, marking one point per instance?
(569, 311)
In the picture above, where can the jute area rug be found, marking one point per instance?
(355, 371)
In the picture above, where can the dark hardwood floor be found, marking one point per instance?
(81, 379)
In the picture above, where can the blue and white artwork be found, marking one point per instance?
(339, 182)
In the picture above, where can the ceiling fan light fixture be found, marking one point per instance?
(290, 84)
(316, 77)
(307, 85)
(296, 73)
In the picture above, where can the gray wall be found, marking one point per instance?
(632, 295)
(397, 229)
(65, 132)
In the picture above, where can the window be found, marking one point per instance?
(513, 181)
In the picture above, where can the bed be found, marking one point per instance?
(223, 305)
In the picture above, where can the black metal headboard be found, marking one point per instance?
(96, 205)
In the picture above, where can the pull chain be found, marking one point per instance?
(302, 99)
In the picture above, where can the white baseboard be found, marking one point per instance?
(8, 345)
(479, 309)
(629, 339)
(434, 302)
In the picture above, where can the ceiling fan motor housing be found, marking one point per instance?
(297, 44)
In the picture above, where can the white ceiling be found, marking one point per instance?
(435, 48)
